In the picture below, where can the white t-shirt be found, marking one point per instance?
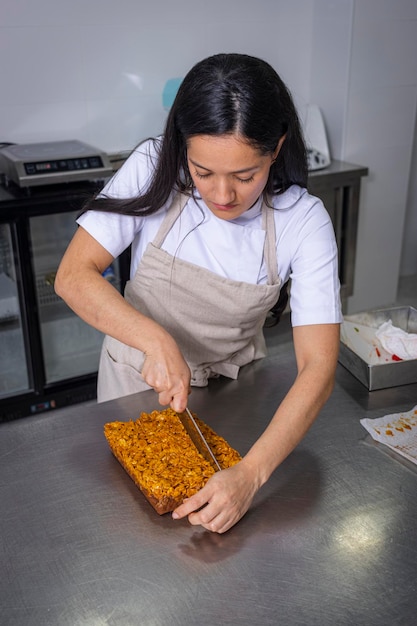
(306, 246)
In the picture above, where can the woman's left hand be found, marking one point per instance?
(225, 498)
(228, 494)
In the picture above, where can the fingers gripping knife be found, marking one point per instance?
(198, 438)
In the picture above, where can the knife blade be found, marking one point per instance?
(198, 439)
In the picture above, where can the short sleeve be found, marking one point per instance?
(113, 231)
(307, 253)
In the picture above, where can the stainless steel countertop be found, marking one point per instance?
(330, 540)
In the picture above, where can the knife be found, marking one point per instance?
(198, 439)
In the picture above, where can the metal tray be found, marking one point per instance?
(381, 375)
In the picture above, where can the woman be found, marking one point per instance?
(218, 217)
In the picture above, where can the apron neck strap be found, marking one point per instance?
(270, 254)
(173, 213)
(268, 225)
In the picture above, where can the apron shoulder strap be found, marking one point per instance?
(173, 212)
(268, 225)
(270, 255)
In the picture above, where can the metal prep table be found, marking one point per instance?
(330, 540)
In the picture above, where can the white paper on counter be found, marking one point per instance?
(397, 431)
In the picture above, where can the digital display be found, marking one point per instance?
(42, 167)
(63, 165)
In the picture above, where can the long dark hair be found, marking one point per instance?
(223, 94)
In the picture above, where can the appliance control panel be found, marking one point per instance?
(63, 165)
(53, 162)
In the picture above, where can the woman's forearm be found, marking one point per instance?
(290, 423)
(300, 407)
(99, 304)
(79, 282)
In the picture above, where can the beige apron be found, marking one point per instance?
(217, 322)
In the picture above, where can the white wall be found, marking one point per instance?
(95, 69)
(379, 132)
(364, 75)
(409, 251)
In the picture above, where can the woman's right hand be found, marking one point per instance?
(166, 371)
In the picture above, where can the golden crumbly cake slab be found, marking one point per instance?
(159, 456)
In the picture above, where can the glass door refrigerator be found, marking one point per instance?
(48, 355)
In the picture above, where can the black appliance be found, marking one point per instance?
(48, 355)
